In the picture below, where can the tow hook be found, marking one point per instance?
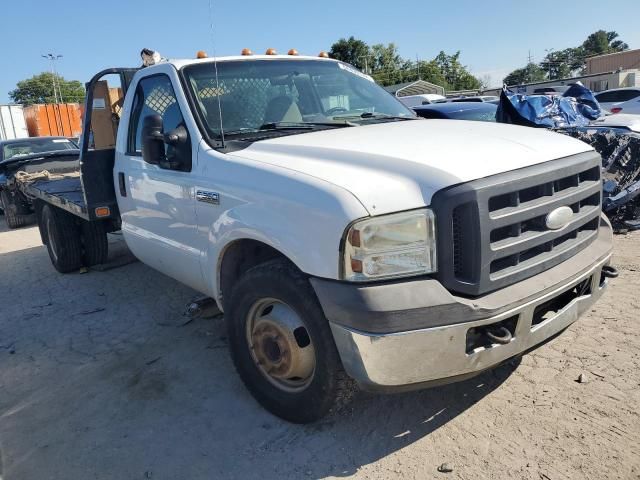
(610, 272)
(500, 335)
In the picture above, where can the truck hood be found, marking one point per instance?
(398, 166)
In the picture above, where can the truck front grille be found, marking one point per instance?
(492, 232)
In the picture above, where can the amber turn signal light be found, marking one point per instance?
(102, 212)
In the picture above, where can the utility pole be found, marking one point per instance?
(529, 62)
(57, 96)
(57, 92)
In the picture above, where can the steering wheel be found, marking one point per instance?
(333, 110)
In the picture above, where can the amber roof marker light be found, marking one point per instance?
(323, 55)
(293, 51)
(246, 52)
(202, 54)
(271, 51)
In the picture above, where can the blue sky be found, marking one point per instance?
(494, 35)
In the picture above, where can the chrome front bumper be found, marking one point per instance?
(411, 359)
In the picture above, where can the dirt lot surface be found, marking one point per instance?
(102, 377)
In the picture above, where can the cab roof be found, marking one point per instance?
(180, 63)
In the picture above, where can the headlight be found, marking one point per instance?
(390, 246)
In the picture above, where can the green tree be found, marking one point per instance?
(429, 71)
(563, 63)
(384, 57)
(601, 42)
(351, 51)
(39, 89)
(529, 74)
(571, 61)
(568, 62)
(456, 75)
(387, 66)
(467, 81)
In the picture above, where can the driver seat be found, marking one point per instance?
(282, 109)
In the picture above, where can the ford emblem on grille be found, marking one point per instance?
(558, 218)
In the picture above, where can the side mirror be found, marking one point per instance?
(178, 149)
(152, 140)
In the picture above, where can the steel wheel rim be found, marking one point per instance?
(280, 345)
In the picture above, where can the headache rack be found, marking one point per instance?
(492, 232)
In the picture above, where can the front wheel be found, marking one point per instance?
(282, 346)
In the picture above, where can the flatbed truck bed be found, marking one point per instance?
(76, 210)
(65, 193)
(90, 195)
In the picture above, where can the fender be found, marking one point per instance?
(307, 245)
(301, 216)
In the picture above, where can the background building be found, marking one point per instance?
(627, 60)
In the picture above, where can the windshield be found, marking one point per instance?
(30, 146)
(260, 95)
(485, 114)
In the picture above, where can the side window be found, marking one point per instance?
(154, 96)
(606, 97)
(108, 96)
(628, 95)
(618, 96)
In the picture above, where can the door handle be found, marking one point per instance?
(121, 184)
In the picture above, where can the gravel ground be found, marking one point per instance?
(102, 377)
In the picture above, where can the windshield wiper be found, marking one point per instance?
(303, 125)
(283, 126)
(377, 116)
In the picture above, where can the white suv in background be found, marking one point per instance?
(626, 100)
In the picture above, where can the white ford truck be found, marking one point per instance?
(343, 237)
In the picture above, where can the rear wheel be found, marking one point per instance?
(62, 236)
(95, 245)
(282, 345)
(11, 215)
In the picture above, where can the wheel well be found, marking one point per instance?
(239, 257)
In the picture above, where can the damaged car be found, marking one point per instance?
(578, 114)
(28, 159)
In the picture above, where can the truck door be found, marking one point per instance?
(156, 194)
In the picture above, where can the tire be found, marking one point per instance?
(11, 215)
(95, 245)
(63, 240)
(298, 399)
